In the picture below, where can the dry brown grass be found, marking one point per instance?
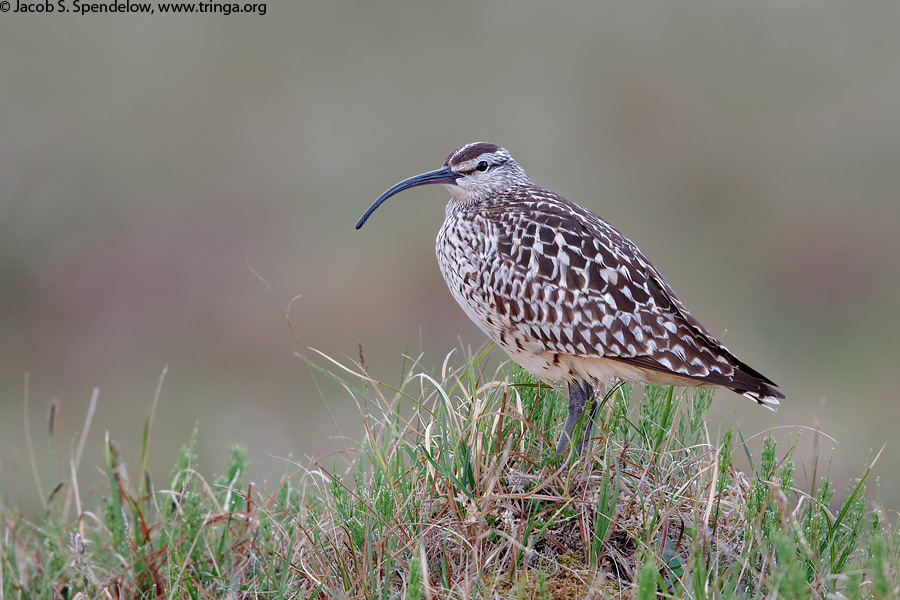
(455, 491)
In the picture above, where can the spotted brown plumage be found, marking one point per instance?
(563, 292)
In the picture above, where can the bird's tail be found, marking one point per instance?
(752, 384)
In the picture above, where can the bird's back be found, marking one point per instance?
(567, 295)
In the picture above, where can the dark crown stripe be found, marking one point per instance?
(468, 152)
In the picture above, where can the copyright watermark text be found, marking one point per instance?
(82, 7)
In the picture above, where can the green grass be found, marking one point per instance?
(454, 491)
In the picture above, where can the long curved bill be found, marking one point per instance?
(445, 175)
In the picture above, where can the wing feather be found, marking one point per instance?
(589, 291)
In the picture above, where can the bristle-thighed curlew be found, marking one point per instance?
(564, 293)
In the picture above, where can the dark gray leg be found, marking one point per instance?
(579, 393)
(589, 426)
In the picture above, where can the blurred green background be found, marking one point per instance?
(149, 164)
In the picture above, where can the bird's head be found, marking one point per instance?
(472, 173)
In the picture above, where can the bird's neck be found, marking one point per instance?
(466, 198)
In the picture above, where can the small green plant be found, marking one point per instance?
(454, 490)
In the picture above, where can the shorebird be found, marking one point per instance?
(563, 292)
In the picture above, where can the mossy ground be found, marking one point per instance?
(454, 490)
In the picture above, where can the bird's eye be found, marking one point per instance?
(482, 166)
